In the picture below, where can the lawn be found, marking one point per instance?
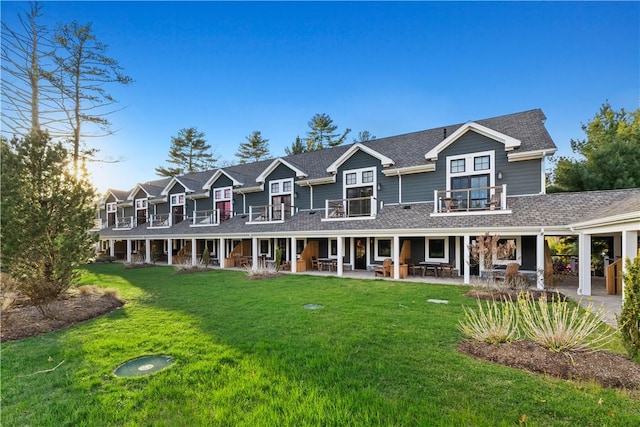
(247, 353)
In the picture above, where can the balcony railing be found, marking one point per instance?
(209, 217)
(125, 223)
(270, 213)
(471, 199)
(160, 220)
(357, 207)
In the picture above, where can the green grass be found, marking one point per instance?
(247, 353)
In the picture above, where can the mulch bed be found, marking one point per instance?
(607, 369)
(24, 320)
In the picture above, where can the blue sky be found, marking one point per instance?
(389, 68)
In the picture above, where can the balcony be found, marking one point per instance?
(209, 217)
(270, 213)
(471, 200)
(354, 208)
(125, 223)
(160, 221)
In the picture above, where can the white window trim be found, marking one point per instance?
(378, 257)
(280, 191)
(143, 203)
(223, 198)
(518, 241)
(268, 253)
(469, 167)
(177, 197)
(359, 182)
(112, 207)
(333, 256)
(446, 249)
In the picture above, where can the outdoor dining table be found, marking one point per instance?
(330, 264)
(435, 266)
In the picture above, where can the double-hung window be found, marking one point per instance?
(469, 178)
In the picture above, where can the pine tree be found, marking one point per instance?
(256, 148)
(189, 152)
(47, 212)
(297, 147)
(322, 132)
(364, 136)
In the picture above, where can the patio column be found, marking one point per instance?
(340, 263)
(194, 255)
(112, 247)
(629, 250)
(396, 257)
(170, 251)
(221, 252)
(254, 251)
(294, 255)
(467, 259)
(129, 250)
(540, 260)
(147, 250)
(584, 264)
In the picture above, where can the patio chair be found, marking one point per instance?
(509, 272)
(494, 202)
(448, 268)
(315, 265)
(384, 269)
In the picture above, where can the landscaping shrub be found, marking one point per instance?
(629, 318)
(559, 327)
(493, 323)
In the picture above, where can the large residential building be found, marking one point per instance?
(419, 197)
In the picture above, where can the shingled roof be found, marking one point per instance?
(405, 150)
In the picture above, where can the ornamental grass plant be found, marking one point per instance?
(493, 322)
(560, 327)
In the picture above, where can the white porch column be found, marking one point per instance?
(352, 253)
(584, 264)
(221, 252)
(340, 262)
(540, 260)
(147, 251)
(129, 250)
(170, 251)
(467, 259)
(254, 251)
(194, 255)
(112, 247)
(629, 250)
(294, 255)
(396, 257)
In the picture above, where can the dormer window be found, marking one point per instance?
(141, 211)
(222, 198)
(281, 193)
(359, 187)
(177, 207)
(112, 209)
(472, 175)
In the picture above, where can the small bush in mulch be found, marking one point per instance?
(194, 269)
(605, 368)
(264, 276)
(135, 265)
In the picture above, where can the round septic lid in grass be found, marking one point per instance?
(143, 366)
(313, 306)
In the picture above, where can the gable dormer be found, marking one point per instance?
(509, 142)
(384, 160)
